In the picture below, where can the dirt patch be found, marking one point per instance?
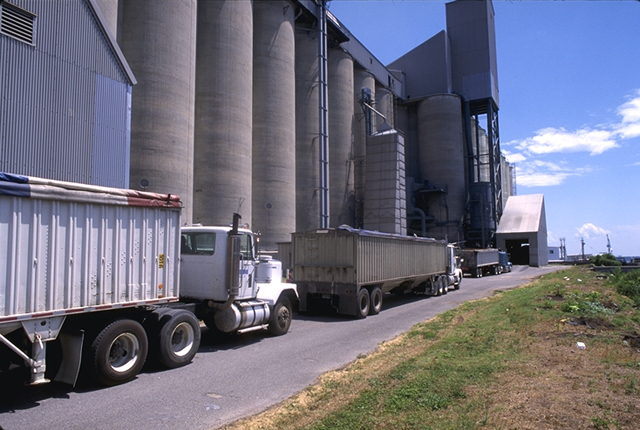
(564, 387)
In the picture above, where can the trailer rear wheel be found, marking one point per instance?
(119, 352)
(363, 303)
(179, 337)
(280, 319)
(376, 301)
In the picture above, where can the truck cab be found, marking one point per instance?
(233, 288)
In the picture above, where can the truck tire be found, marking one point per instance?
(363, 303)
(178, 337)
(445, 285)
(280, 318)
(439, 286)
(119, 352)
(376, 301)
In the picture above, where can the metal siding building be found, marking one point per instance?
(523, 230)
(65, 109)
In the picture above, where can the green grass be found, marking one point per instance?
(458, 357)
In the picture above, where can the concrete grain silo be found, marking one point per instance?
(158, 40)
(109, 10)
(307, 128)
(364, 86)
(341, 164)
(274, 140)
(441, 153)
(223, 114)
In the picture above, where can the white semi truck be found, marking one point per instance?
(95, 273)
(351, 269)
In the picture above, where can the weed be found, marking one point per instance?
(600, 423)
(585, 304)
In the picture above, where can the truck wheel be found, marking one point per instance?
(280, 318)
(178, 337)
(376, 301)
(479, 272)
(363, 303)
(440, 286)
(445, 285)
(119, 352)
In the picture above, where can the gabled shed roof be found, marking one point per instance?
(522, 214)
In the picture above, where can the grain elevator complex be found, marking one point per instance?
(270, 109)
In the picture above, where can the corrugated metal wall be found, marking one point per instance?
(49, 122)
(58, 255)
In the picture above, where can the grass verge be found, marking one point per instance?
(512, 361)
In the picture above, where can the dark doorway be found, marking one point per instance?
(518, 250)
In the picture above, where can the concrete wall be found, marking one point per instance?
(158, 39)
(341, 124)
(274, 139)
(223, 115)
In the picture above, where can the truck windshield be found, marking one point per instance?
(198, 243)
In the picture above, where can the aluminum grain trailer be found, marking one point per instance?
(477, 262)
(351, 269)
(88, 269)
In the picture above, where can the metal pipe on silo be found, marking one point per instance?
(223, 114)
(440, 137)
(364, 86)
(307, 129)
(158, 40)
(385, 104)
(341, 114)
(274, 139)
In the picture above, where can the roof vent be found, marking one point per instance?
(16, 22)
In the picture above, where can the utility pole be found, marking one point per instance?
(609, 250)
(582, 243)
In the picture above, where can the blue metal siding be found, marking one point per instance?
(112, 133)
(64, 102)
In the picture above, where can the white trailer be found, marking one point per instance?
(352, 269)
(95, 272)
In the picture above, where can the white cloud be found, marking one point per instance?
(554, 140)
(513, 157)
(533, 172)
(540, 173)
(589, 230)
(630, 113)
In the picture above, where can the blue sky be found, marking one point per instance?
(569, 79)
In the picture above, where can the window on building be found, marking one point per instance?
(16, 22)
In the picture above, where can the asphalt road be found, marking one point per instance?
(233, 378)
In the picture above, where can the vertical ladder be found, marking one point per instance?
(324, 114)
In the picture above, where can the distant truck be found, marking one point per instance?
(479, 262)
(352, 269)
(94, 272)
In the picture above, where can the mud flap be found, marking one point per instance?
(71, 342)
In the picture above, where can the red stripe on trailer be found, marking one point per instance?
(85, 309)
